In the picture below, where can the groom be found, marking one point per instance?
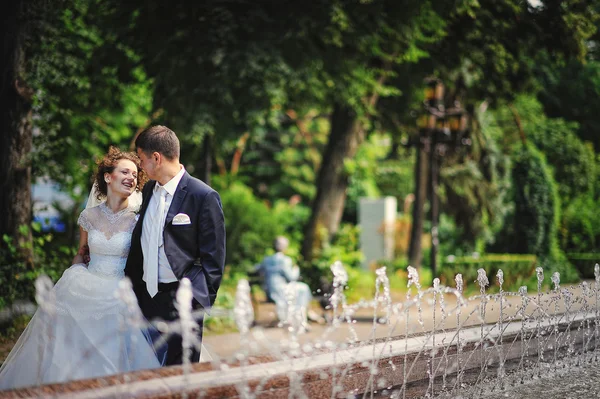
(180, 233)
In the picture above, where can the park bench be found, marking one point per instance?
(258, 296)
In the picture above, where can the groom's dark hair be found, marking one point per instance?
(159, 139)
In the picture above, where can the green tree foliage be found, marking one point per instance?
(475, 183)
(283, 163)
(490, 51)
(572, 161)
(217, 70)
(362, 170)
(227, 69)
(220, 72)
(396, 177)
(84, 102)
(496, 45)
(572, 92)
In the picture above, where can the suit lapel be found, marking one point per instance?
(178, 198)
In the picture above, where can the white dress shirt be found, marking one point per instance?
(165, 273)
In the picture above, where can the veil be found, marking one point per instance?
(135, 199)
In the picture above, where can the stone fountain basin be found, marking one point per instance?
(368, 366)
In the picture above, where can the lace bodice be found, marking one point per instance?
(109, 238)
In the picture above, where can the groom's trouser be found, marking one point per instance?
(162, 307)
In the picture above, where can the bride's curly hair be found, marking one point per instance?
(108, 163)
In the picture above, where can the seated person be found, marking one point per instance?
(280, 283)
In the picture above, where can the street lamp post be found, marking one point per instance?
(440, 130)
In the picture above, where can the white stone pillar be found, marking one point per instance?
(377, 221)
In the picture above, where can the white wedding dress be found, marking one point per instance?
(89, 324)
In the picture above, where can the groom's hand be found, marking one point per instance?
(83, 255)
(85, 252)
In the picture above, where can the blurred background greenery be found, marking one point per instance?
(295, 111)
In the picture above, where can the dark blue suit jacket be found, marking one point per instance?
(195, 251)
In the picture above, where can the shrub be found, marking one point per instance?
(580, 228)
(252, 226)
(49, 259)
(402, 234)
(584, 263)
(537, 213)
(217, 323)
(12, 271)
(399, 279)
(560, 263)
(537, 208)
(343, 247)
(573, 169)
(571, 160)
(452, 239)
(361, 282)
(518, 270)
(292, 219)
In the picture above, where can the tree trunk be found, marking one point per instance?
(345, 138)
(16, 141)
(434, 206)
(414, 250)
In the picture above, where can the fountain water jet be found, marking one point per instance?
(496, 341)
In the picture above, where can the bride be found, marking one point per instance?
(89, 324)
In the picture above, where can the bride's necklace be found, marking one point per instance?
(112, 217)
